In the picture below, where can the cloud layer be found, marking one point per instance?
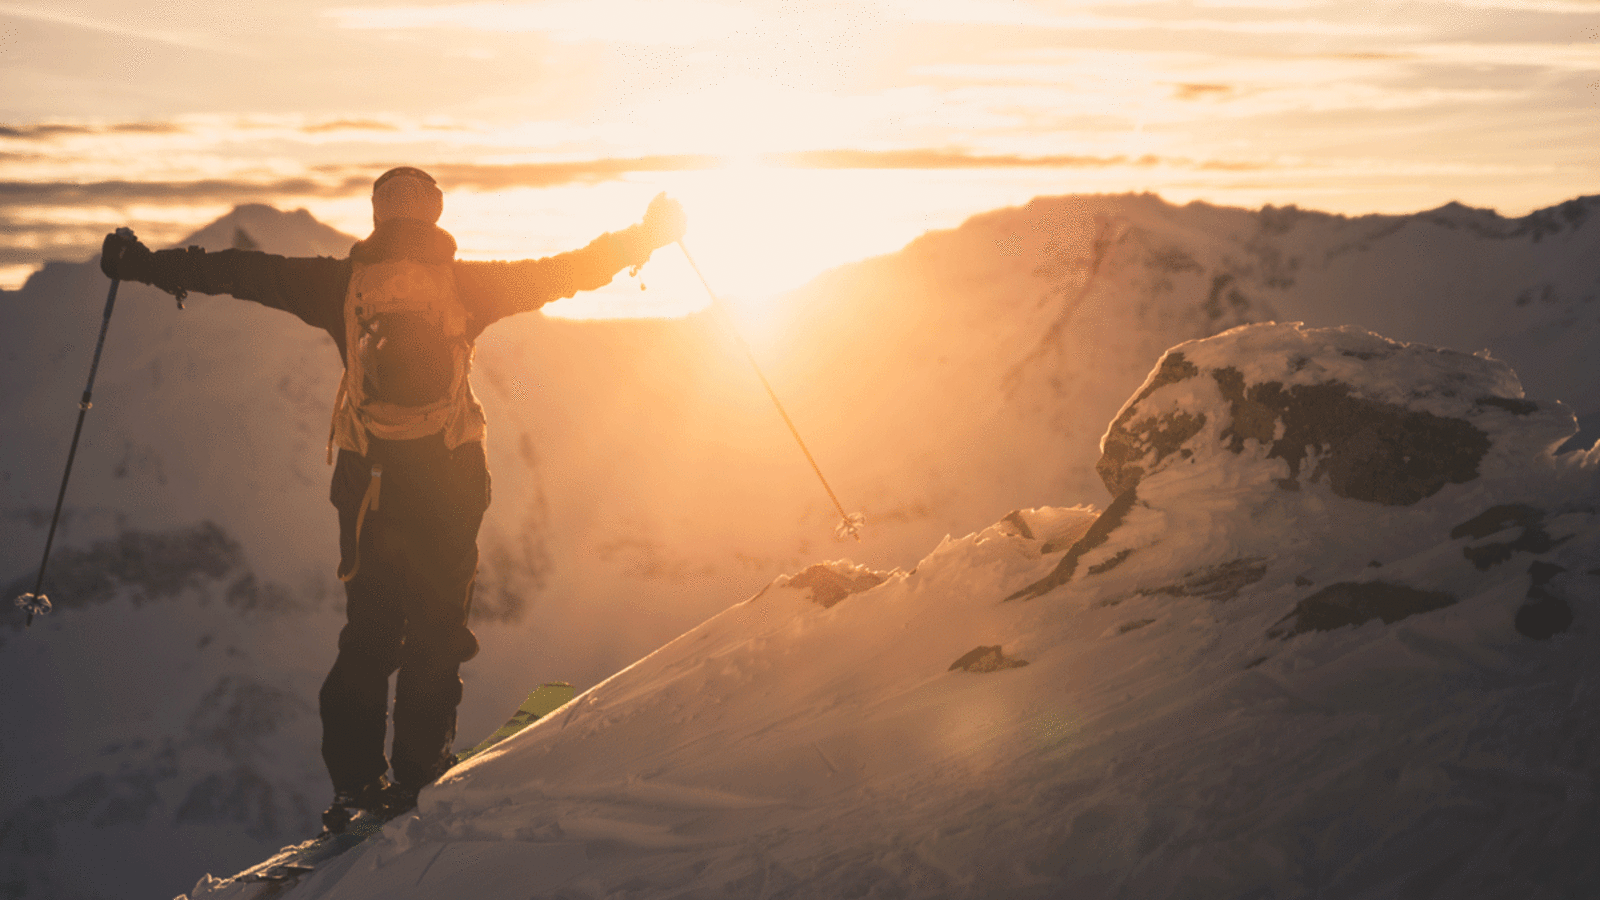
(168, 116)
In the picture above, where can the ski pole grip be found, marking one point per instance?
(128, 239)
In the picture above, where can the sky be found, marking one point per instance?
(799, 135)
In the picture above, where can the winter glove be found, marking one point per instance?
(122, 257)
(664, 221)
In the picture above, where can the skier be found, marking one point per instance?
(410, 484)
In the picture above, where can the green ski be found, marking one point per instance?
(545, 699)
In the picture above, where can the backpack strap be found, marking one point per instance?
(338, 404)
(369, 500)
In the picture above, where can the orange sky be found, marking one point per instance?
(799, 134)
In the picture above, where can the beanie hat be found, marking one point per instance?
(406, 193)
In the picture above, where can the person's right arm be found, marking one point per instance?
(309, 287)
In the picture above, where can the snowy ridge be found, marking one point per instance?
(1038, 322)
(1236, 694)
(642, 483)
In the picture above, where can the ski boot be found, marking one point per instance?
(398, 800)
(371, 797)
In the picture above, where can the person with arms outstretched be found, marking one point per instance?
(410, 482)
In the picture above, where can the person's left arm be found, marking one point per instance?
(494, 290)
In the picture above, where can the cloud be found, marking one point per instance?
(1250, 17)
(932, 159)
(956, 159)
(355, 180)
(335, 181)
(1191, 91)
(612, 21)
(347, 125)
(1564, 7)
(1564, 57)
(122, 193)
(43, 220)
(42, 131)
(191, 40)
(31, 243)
(51, 130)
(490, 177)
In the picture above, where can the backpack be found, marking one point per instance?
(407, 358)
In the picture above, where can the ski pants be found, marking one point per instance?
(415, 559)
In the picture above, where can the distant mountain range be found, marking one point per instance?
(642, 482)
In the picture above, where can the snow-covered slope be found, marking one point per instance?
(1322, 645)
(642, 483)
(1037, 322)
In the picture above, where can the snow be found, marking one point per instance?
(644, 488)
(1152, 738)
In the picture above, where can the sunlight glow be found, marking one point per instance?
(759, 231)
(624, 21)
(551, 121)
(183, 38)
(741, 118)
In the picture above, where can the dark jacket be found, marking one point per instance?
(313, 288)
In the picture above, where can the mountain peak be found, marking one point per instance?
(272, 230)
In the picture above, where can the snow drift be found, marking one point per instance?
(1287, 661)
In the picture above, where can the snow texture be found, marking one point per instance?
(1249, 689)
(165, 724)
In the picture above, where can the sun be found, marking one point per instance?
(756, 232)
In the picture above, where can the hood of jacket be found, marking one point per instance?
(405, 239)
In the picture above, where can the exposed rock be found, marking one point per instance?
(1374, 420)
(833, 581)
(1220, 583)
(1369, 450)
(1286, 408)
(1356, 602)
(1111, 562)
(986, 659)
(1150, 440)
(1518, 407)
(1016, 520)
(1545, 615)
(1096, 535)
(153, 566)
(1533, 538)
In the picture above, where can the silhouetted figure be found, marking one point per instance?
(410, 484)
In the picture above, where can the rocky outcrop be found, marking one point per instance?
(830, 582)
(1265, 409)
(1371, 419)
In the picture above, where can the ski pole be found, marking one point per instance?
(849, 523)
(36, 603)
